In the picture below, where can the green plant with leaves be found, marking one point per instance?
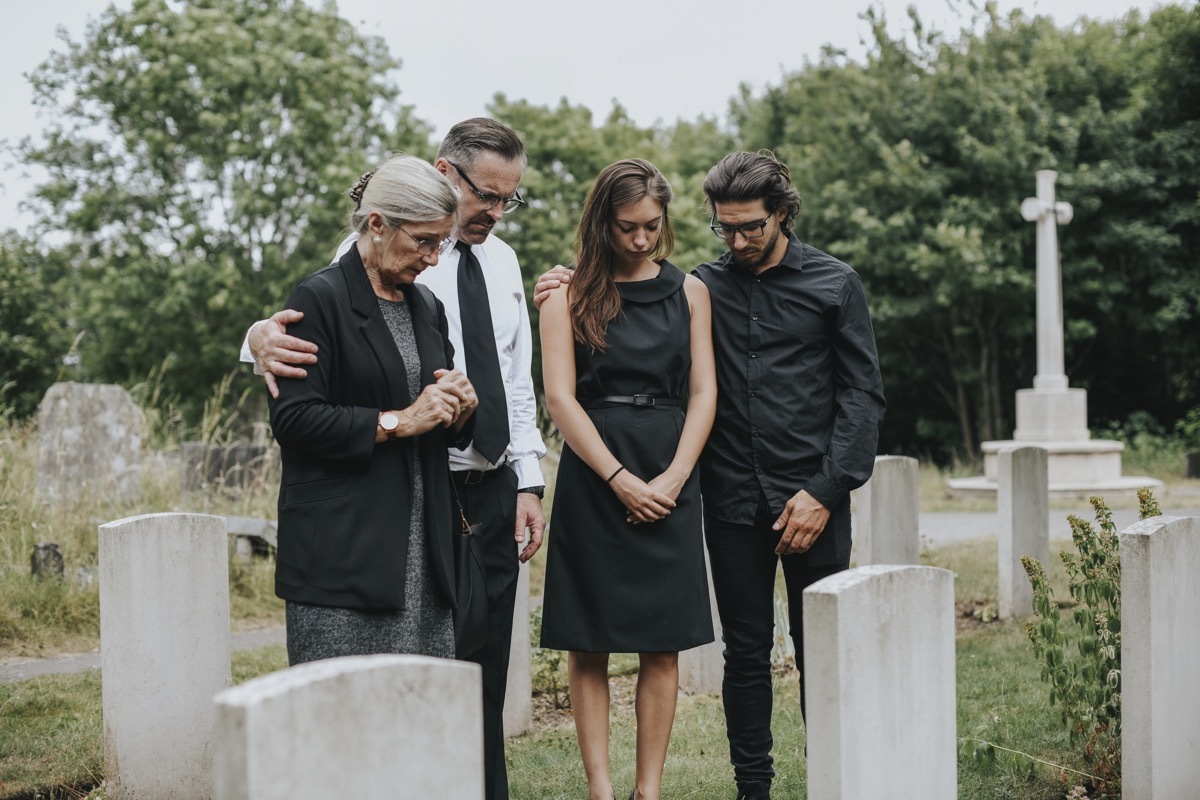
(1086, 680)
(548, 668)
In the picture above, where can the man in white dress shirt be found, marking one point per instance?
(503, 489)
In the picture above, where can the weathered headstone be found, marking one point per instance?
(518, 694)
(886, 529)
(1160, 648)
(702, 668)
(89, 442)
(227, 465)
(1023, 507)
(396, 726)
(164, 651)
(46, 561)
(251, 536)
(879, 675)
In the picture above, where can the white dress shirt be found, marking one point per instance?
(514, 346)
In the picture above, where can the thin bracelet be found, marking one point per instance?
(615, 474)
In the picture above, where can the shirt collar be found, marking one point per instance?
(793, 258)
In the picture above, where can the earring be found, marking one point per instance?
(377, 239)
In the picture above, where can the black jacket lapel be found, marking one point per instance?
(374, 330)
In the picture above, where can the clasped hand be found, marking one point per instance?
(443, 403)
(646, 502)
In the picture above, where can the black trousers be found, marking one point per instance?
(491, 502)
(743, 562)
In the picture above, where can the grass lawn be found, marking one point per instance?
(50, 728)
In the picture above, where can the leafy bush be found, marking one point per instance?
(1086, 682)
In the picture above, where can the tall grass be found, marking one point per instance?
(44, 616)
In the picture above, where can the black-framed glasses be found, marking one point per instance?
(491, 200)
(427, 247)
(751, 230)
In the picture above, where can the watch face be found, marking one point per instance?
(389, 422)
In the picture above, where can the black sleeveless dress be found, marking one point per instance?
(613, 587)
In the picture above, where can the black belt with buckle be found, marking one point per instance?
(646, 400)
(470, 477)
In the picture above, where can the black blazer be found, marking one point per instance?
(345, 502)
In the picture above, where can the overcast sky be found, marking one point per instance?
(660, 60)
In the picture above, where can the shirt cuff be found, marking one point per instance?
(247, 356)
(827, 492)
(529, 471)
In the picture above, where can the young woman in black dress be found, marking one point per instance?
(624, 346)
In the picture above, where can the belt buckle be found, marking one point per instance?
(473, 476)
(643, 400)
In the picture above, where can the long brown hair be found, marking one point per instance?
(596, 301)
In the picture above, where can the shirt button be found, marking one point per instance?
(754, 317)
(754, 355)
(758, 469)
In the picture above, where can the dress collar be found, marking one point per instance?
(652, 290)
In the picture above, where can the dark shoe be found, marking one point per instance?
(754, 791)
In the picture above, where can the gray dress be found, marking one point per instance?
(426, 624)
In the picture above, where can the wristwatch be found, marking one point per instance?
(540, 491)
(389, 421)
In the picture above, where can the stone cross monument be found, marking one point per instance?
(1050, 411)
(1052, 415)
(1048, 214)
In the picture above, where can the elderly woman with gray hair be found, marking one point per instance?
(366, 518)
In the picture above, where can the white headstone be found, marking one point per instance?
(89, 442)
(164, 651)
(702, 668)
(1023, 506)
(518, 694)
(886, 529)
(397, 726)
(879, 675)
(1160, 648)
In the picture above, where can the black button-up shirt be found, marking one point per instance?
(800, 399)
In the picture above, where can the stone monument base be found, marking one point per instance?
(1075, 469)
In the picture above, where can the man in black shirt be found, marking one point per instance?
(799, 406)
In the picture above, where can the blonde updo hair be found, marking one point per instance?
(402, 189)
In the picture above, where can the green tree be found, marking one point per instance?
(198, 157)
(35, 336)
(913, 165)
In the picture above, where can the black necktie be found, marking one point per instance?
(483, 365)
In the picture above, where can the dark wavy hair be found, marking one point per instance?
(596, 301)
(746, 177)
(467, 139)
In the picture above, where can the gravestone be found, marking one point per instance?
(164, 651)
(234, 466)
(886, 529)
(46, 561)
(879, 684)
(702, 668)
(252, 536)
(1023, 507)
(396, 726)
(89, 443)
(518, 693)
(1160, 648)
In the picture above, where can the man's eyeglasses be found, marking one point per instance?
(491, 200)
(751, 230)
(426, 247)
